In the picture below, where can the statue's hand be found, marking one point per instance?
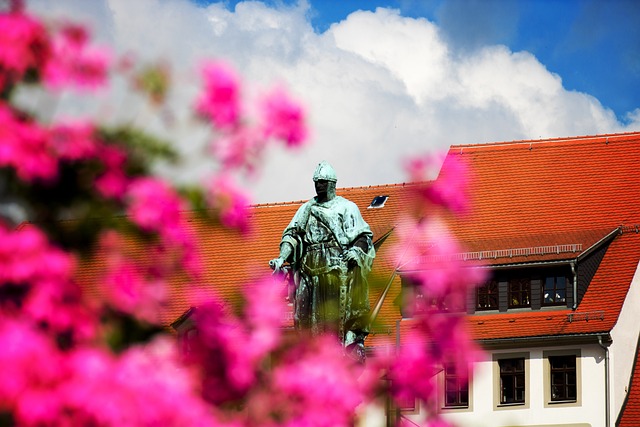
(351, 256)
(276, 264)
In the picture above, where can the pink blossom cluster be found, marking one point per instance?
(36, 152)
(155, 206)
(74, 62)
(24, 46)
(242, 367)
(240, 140)
(45, 386)
(437, 335)
(231, 348)
(231, 202)
(221, 101)
(284, 118)
(24, 146)
(317, 385)
(449, 190)
(280, 378)
(36, 285)
(65, 59)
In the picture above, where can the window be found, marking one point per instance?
(554, 290)
(456, 387)
(562, 383)
(413, 301)
(563, 378)
(378, 202)
(519, 292)
(523, 287)
(512, 381)
(487, 296)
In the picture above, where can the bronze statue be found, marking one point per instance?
(330, 249)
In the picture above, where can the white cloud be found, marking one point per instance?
(379, 87)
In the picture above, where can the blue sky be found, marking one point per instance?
(594, 45)
(384, 81)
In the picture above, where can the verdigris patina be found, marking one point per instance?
(330, 249)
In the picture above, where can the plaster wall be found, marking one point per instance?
(483, 411)
(623, 348)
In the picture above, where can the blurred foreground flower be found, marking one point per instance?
(103, 357)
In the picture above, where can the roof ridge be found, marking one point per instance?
(338, 190)
(396, 185)
(584, 138)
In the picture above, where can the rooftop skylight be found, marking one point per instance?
(378, 202)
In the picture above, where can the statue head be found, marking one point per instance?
(325, 171)
(325, 182)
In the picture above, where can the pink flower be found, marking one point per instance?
(265, 313)
(154, 206)
(138, 387)
(222, 349)
(113, 182)
(449, 190)
(27, 257)
(74, 62)
(284, 118)
(73, 140)
(428, 249)
(240, 149)
(317, 384)
(28, 360)
(129, 291)
(220, 100)
(25, 147)
(157, 208)
(23, 46)
(413, 371)
(231, 203)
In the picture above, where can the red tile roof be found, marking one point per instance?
(531, 201)
(630, 412)
(557, 192)
(548, 200)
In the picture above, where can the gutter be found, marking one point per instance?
(545, 340)
(575, 285)
(606, 380)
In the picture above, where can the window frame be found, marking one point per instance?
(523, 290)
(485, 292)
(497, 381)
(512, 384)
(443, 408)
(461, 386)
(555, 289)
(547, 356)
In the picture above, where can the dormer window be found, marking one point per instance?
(520, 292)
(518, 288)
(554, 291)
(378, 202)
(487, 296)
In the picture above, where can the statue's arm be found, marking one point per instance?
(288, 245)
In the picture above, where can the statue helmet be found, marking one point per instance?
(325, 171)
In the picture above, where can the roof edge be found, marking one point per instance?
(606, 239)
(545, 340)
(597, 137)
